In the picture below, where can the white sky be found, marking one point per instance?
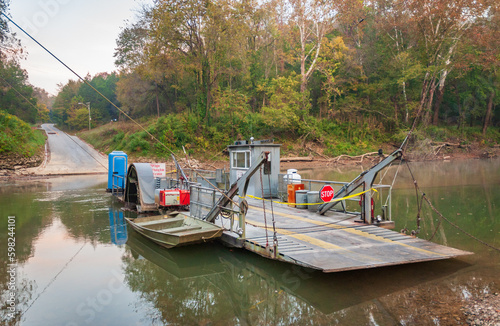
(82, 33)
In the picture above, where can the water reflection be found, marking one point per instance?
(118, 227)
(212, 283)
(65, 229)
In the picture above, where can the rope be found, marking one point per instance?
(310, 204)
(216, 234)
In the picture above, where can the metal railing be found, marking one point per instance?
(383, 195)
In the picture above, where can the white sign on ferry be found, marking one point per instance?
(159, 170)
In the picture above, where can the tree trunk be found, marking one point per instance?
(303, 84)
(396, 112)
(157, 101)
(405, 102)
(489, 109)
(439, 100)
(429, 101)
(437, 105)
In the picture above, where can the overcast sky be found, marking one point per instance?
(82, 33)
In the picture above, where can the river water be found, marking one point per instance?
(77, 264)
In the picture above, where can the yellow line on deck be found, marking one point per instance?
(316, 242)
(350, 230)
(311, 240)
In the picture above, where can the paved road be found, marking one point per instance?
(69, 155)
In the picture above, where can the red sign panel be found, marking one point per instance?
(327, 193)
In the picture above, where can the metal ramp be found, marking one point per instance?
(332, 242)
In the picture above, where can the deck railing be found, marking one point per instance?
(382, 196)
(204, 196)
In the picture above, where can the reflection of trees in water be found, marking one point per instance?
(228, 291)
(84, 213)
(470, 207)
(35, 206)
(32, 216)
(23, 294)
(439, 303)
(207, 285)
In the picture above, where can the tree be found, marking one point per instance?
(4, 27)
(312, 20)
(287, 105)
(16, 95)
(479, 64)
(62, 102)
(440, 26)
(137, 95)
(101, 110)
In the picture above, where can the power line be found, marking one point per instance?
(13, 88)
(86, 82)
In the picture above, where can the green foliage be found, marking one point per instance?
(16, 94)
(71, 104)
(138, 143)
(17, 137)
(286, 105)
(240, 73)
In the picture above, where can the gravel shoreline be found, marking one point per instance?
(484, 310)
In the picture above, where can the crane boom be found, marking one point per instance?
(240, 186)
(365, 179)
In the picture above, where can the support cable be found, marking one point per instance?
(275, 236)
(19, 93)
(86, 82)
(424, 197)
(264, 206)
(53, 279)
(104, 166)
(12, 87)
(458, 227)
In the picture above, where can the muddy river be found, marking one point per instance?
(67, 258)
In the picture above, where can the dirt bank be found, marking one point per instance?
(16, 165)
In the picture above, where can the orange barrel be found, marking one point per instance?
(291, 189)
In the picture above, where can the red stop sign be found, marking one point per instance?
(326, 193)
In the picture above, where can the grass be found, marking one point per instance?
(181, 132)
(19, 138)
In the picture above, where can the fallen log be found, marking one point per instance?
(361, 157)
(297, 159)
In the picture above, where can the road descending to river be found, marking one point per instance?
(69, 155)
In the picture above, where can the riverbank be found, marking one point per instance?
(12, 167)
(457, 312)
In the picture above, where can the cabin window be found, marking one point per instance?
(241, 159)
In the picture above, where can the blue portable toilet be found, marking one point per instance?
(117, 171)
